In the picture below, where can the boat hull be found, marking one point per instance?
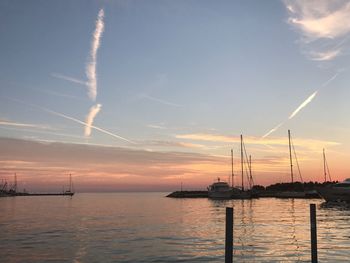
(332, 194)
(220, 194)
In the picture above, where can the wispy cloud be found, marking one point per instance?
(94, 110)
(324, 56)
(68, 78)
(322, 24)
(91, 65)
(25, 125)
(30, 130)
(310, 144)
(167, 144)
(320, 19)
(164, 102)
(156, 127)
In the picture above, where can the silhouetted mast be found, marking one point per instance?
(290, 157)
(250, 171)
(15, 185)
(70, 182)
(324, 166)
(242, 161)
(232, 168)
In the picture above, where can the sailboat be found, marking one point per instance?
(220, 189)
(241, 193)
(291, 194)
(70, 190)
(337, 192)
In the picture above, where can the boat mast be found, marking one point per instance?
(242, 161)
(70, 182)
(290, 158)
(250, 172)
(15, 184)
(324, 166)
(232, 182)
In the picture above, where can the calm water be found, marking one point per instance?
(146, 227)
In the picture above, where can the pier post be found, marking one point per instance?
(313, 233)
(229, 235)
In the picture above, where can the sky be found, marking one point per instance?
(146, 95)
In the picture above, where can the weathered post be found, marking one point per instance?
(229, 235)
(313, 233)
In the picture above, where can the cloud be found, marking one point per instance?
(321, 18)
(302, 105)
(167, 144)
(24, 125)
(91, 65)
(156, 127)
(322, 24)
(46, 165)
(98, 167)
(323, 56)
(71, 79)
(94, 110)
(309, 144)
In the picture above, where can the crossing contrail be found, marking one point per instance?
(94, 110)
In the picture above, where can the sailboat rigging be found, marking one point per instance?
(326, 168)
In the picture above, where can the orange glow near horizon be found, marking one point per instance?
(46, 166)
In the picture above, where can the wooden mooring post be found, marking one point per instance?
(313, 233)
(229, 235)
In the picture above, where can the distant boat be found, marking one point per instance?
(222, 190)
(70, 190)
(219, 190)
(337, 192)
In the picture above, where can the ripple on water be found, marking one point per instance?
(146, 227)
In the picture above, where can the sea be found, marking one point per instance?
(149, 227)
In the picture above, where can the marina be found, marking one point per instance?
(11, 190)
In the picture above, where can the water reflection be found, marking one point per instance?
(146, 227)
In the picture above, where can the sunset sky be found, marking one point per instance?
(144, 95)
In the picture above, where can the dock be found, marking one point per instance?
(262, 194)
(188, 194)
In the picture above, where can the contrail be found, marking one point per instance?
(84, 123)
(160, 101)
(306, 102)
(71, 79)
(91, 65)
(72, 119)
(90, 118)
(273, 129)
(302, 105)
